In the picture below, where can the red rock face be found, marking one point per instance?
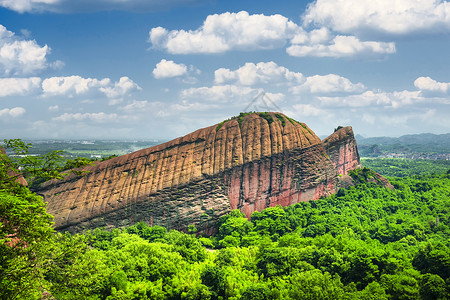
(247, 163)
(342, 150)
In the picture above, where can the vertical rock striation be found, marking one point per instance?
(342, 150)
(249, 162)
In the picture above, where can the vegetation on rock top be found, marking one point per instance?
(265, 115)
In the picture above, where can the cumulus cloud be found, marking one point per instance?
(68, 6)
(21, 57)
(428, 84)
(135, 106)
(168, 69)
(100, 117)
(326, 84)
(13, 112)
(228, 97)
(339, 46)
(394, 99)
(394, 17)
(53, 108)
(71, 86)
(18, 86)
(260, 73)
(219, 93)
(242, 31)
(124, 86)
(308, 110)
(228, 31)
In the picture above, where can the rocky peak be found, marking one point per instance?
(248, 162)
(342, 149)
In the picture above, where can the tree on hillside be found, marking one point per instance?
(40, 168)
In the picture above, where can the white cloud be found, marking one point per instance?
(121, 88)
(53, 108)
(220, 98)
(339, 46)
(260, 73)
(168, 68)
(219, 93)
(71, 86)
(13, 112)
(228, 31)
(241, 31)
(269, 73)
(308, 110)
(21, 57)
(431, 85)
(136, 106)
(100, 117)
(18, 86)
(393, 17)
(326, 84)
(27, 5)
(67, 6)
(394, 99)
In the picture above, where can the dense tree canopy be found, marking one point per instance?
(365, 242)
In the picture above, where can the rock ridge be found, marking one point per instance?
(249, 163)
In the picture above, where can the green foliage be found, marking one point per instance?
(214, 278)
(432, 287)
(365, 242)
(293, 121)
(394, 167)
(25, 232)
(108, 157)
(266, 116)
(282, 119)
(420, 146)
(362, 175)
(240, 118)
(39, 168)
(257, 292)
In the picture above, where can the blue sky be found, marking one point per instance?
(135, 69)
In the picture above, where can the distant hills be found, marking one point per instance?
(416, 146)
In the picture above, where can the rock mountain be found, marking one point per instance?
(248, 162)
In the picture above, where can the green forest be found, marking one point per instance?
(364, 242)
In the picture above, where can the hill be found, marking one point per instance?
(422, 146)
(249, 162)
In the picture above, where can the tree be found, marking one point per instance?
(214, 278)
(257, 292)
(25, 234)
(432, 287)
(39, 168)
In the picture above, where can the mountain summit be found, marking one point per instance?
(249, 162)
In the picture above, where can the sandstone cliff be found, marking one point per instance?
(249, 162)
(342, 149)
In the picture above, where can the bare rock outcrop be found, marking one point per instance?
(249, 162)
(342, 150)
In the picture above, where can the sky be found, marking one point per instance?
(159, 69)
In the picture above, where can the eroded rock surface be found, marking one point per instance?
(342, 149)
(247, 163)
